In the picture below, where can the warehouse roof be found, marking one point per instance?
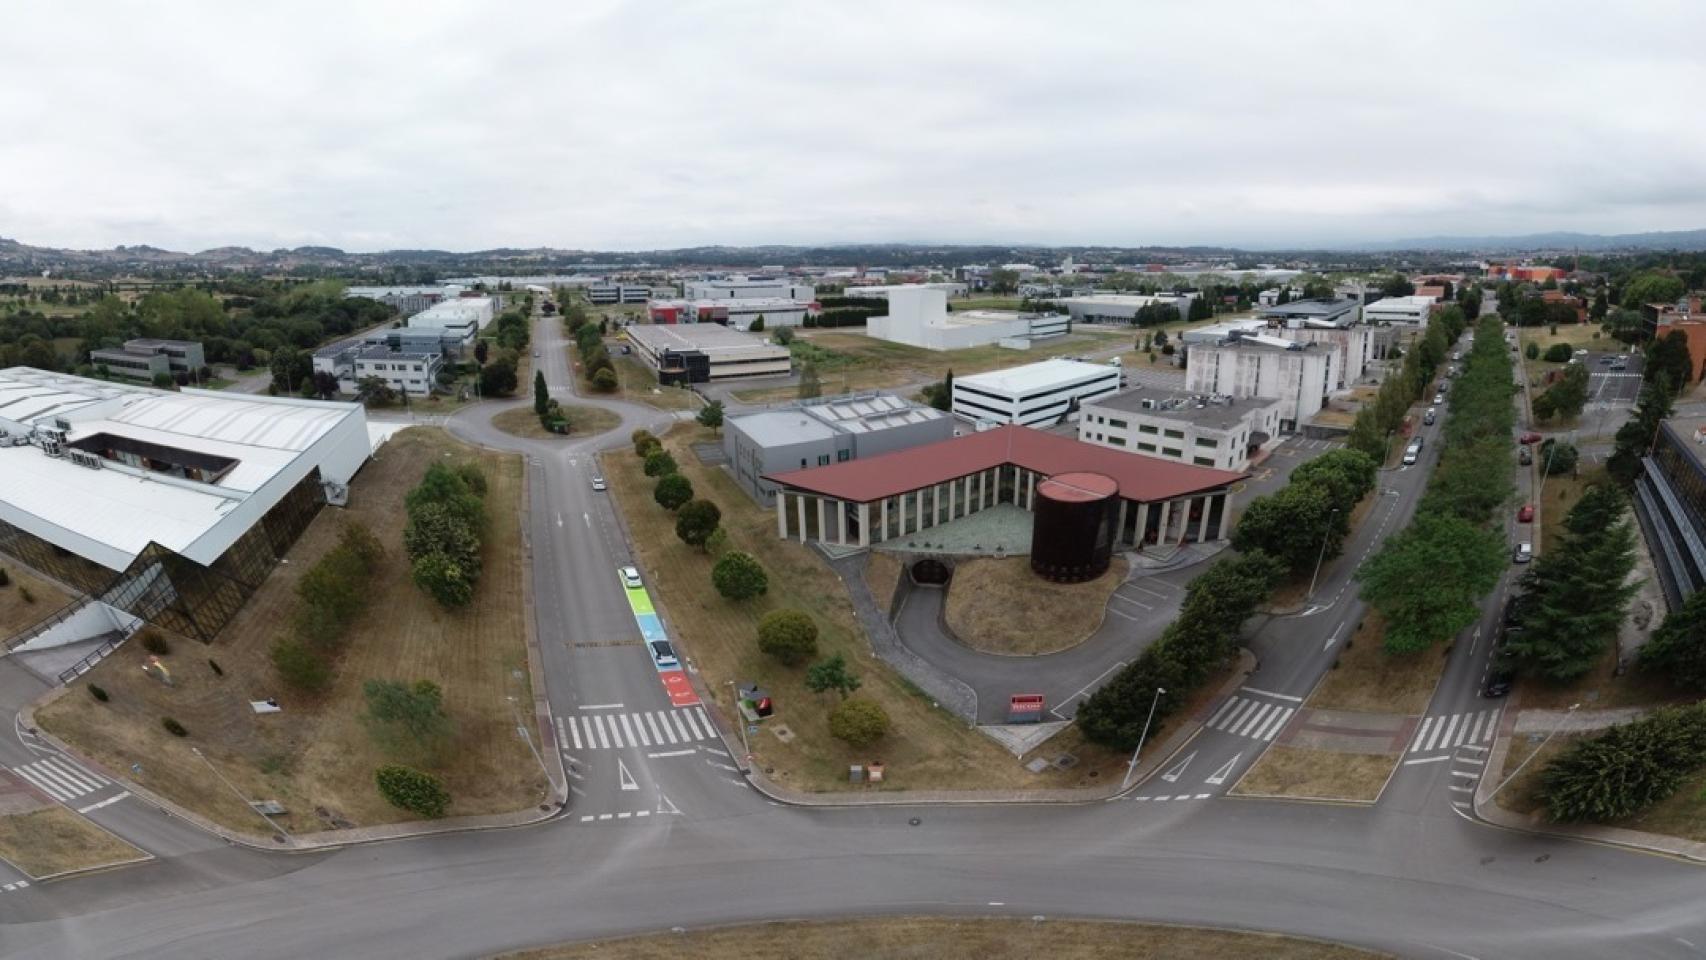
(1036, 376)
(704, 337)
(1140, 478)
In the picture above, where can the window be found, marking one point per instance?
(1209, 442)
(1117, 441)
(1148, 428)
(1146, 447)
(1117, 424)
(1203, 461)
(1174, 434)
(1172, 452)
(842, 456)
(823, 459)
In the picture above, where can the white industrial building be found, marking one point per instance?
(819, 432)
(465, 316)
(605, 293)
(706, 352)
(881, 292)
(1408, 311)
(1036, 394)
(1123, 307)
(740, 314)
(164, 506)
(1225, 330)
(1299, 374)
(743, 288)
(1205, 430)
(919, 317)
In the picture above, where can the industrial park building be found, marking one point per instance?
(143, 358)
(919, 317)
(161, 506)
(747, 288)
(1123, 307)
(1299, 374)
(1403, 311)
(1036, 394)
(740, 314)
(464, 316)
(1206, 430)
(706, 352)
(817, 433)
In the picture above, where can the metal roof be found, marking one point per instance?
(1038, 376)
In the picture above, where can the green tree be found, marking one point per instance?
(1532, 351)
(711, 415)
(1568, 394)
(659, 463)
(1575, 595)
(1397, 285)
(810, 386)
(1559, 353)
(604, 380)
(696, 521)
(541, 395)
(442, 484)
(1292, 524)
(1651, 286)
(1668, 358)
(444, 579)
(1347, 474)
(783, 335)
(672, 491)
(498, 378)
(788, 636)
(739, 576)
(1426, 580)
(1003, 281)
(1626, 769)
(642, 441)
(859, 722)
(1557, 459)
(1637, 435)
(831, 674)
(299, 666)
(413, 790)
(406, 715)
(1677, 649)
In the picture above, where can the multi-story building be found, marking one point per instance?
(706, 352)
(740, 314)
(1670, 502)
(817, 433)
(142, 358)
(1399, 311)
(606, 293)
(408, 300)
(1318, 313)
(746, 288)
(1204, 430)
(1299, 374)
(465, 317)
(919, 317)
(1036, 394)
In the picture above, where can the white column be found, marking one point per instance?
(902, 504)
(935, 504)
(800, 509)
(822, 528)
(953, 488)
(781, 515)
(1142, 525)
(1119, 529)
(841, 520)
(864, 524)
(1161, 527)
(1225, 514)
(1202, 524)
(884, 535)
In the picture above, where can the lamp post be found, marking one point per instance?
(1531, 756)
(1131, 768)
(740, 720)
(1325, 534)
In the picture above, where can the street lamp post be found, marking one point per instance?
(740, 720)
(1131, 768)
(1325, 534)
(1552, 733)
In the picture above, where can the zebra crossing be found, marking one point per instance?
(646, 728)
(1249, 717)
(60, 779)
(1450, 730)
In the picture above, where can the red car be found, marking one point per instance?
(1529, 438)
(1526, 514)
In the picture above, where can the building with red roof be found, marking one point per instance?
(870, 500)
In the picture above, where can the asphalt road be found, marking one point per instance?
(1408, 875)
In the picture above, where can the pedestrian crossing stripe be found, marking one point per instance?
(647, 728)
(60, 778)
(1248, 717)
(1446, 731)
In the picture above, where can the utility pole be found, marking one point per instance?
(1131, 768)
(1552, 733)
(1325, 535)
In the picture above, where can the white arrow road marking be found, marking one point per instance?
(559, 519)
(626, 778)
(666, 805)
(1333, 639)
(1173, 775)
(1311, 611)
(588, 518)
(1219, 776)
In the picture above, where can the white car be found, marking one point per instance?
(1439, 398)
(663, 654)
(598, 483)
(1524, 552)
(630, 577)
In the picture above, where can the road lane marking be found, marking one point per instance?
(1275, 724)
(598, 722)
(1270, 693)
(1218, 714)
(680, 726)
(1250, 724)
(672, 753)
(1427, 759)
(664, 722)
(601, 706)
(710, 731)
(628, 730)
(694, 727)
(1172, 775)
(1427, 724)
(624, 778)
(104, 803)
(1219, 776)
(653, 724)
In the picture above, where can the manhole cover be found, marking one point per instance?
(1066, 761)
(783, 733)
(1038, 765)
(914, 822)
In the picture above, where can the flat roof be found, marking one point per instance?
(1319, 307)
(824, 418)
(1406, 302)
(704, 337)
(1036, 376)
(1126, 299)
(1217, 411)
(1139, 478)
(1686, 429)
(776, 428)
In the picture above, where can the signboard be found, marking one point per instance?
(1025, 708)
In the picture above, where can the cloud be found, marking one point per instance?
(615, 125)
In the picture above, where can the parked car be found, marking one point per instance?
(630, 577)
(1428, 418)
(1619, 365)
(1412, 453)
(1607, 360)
(1499, 682)
(1581, 353)
(1523, 553)
(1525, 455)
(1439, 398)
(1526, 514)
(1530, 437)
(663, 654)
(598, 483)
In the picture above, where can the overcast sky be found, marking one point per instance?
(611, 125)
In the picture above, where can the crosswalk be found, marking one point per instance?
(1446, 731)
(60, 779)
(1249, 717)
(648, 728)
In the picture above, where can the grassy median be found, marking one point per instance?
(53, 840)
(317, 757)
(583, 422)
(1000, 606)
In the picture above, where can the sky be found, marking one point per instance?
(607, 125)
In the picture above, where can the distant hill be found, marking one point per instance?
(1559, 240)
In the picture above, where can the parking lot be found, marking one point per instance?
(1613, 378)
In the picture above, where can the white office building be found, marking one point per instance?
(1036, 394)
(744, 288)
(738, 314)
(706, 352)
(464, 316)
(1299, 374)
(1123, 307)
(918, 316)
(1404, 311)
(1205, 430)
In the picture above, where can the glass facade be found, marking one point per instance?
(170, 590)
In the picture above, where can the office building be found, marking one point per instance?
(464, 317)
(1036, 394)
(740, 314)
(817, 433)
(705, 352)
(606, 293)
(1399, 311)
(1300, 375)
(143, 358)
(919, 317)
(747, 288)
(1319, 313)
(1670, 504)
(1206, 430)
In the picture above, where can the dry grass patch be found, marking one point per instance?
(583, 422)
(18, 613)
(639, 384)
(882, 575)
(1368, 679)
(895, 938)
(53, 840)
(928, 747)
(1000, 606)
(318, 753)
(1308, 773)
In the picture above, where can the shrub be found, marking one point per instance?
(413, 790)
(1532, 351)
(783, 335)
(444, 579)
(604, 381)
(99, 693)
(641, 439)
(5, 578)
(696, 521)
(25, 595)
(154, 643)
(173, 727)
(1559, 353)
(213, 665)
(298, 665)
(672, 491)
(473, 476)
(660, 463)
(789, 636)
(859, 722)
(739, 576)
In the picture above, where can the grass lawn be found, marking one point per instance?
(1367, 678)
(1000, 606)
(53, 840)
(637, 383)
(317, 753)
(895, 938)
(882, 575)
(985, 303)
(27, 600)
(1307, 773)
(1580, 336)
(928, 748)
(583, 422)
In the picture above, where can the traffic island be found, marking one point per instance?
(51, 841)
(1001, 606)
(583, 422)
